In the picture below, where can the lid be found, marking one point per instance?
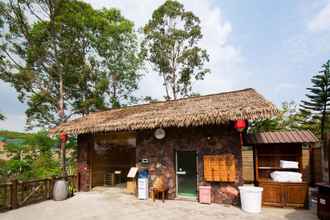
(251, 188)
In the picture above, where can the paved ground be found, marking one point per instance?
(113, 204)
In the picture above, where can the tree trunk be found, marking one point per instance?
(166, 87)
(63, 163)
(58, 69)
(174, 85)
(325, 147)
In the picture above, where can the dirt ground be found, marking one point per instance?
(114, 204)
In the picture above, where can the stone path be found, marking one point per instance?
(114, 204)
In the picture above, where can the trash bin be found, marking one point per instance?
(251, 198)
(205, 194)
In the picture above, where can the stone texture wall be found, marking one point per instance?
(204, 140)
(85, 143)
(161, 155)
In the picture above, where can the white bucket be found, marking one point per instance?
(251, 197)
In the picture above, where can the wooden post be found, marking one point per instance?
(51, 186)
(77, 182)
(328, 153)
(13, 194)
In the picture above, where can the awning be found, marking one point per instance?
(276, 137)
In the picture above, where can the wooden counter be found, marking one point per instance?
(284, 194)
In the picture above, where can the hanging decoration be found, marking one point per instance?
(63, 137)
(240, 125)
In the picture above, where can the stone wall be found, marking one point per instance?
(85, 142)
(204, 140)
(161, 156)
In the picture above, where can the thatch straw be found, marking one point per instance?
(195, 111)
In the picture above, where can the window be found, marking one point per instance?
(219, 168)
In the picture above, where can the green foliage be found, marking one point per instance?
(14, 135)
(74, 59)
(170, 44)
(316, 106)
(318, 99)
(289, 118)
(36, 156)
(2, 117)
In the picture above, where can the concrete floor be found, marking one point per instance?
(114, 204)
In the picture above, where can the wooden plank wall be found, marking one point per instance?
(306, 164)
(316, 165)
(247, 160)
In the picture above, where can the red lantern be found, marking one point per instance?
(240, 125)
(63, 137)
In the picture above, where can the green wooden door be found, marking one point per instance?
(186, 173)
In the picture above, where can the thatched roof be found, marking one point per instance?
(194, 111)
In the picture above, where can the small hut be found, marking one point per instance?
(190, 141)
(282, 151)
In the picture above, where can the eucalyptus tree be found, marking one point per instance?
(64, 58)
(171, 45)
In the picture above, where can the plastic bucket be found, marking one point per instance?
(251, 198)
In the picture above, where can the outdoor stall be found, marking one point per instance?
(278, 166)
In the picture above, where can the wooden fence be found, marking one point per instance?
(21, 193)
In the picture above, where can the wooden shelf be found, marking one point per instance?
(276, 168)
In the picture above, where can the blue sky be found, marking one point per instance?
(272, 46)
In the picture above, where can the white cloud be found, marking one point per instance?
(226, 62)
(225, 58)
(321, 21)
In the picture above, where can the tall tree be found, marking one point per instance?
(120, 56)
(171, 39)
(317, 105)
(318, 99)
(66, 58)
(59, 54)
(2, 117)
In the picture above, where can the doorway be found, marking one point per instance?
(186, 174)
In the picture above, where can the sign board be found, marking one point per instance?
(132, 172)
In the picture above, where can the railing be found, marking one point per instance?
(16, 193)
